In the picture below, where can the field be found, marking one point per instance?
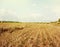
(29, 35)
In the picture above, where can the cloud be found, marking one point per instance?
(7, 11)
(56, 9)
(7, 14)
(2, 11)
(34, 4)
(31, 17)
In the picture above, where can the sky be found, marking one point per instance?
(29, 10)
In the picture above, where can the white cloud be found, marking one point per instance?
(34, 4)
(7, 11)
(56, 9)
(36, 14)
(12, 12)
(7, 14)
(2, 11)
(56, 0)
(31, 17)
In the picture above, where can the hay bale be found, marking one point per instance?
(19, 28)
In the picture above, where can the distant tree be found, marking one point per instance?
(59, 20)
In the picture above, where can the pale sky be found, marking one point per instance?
(30, 10)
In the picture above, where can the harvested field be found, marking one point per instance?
(29, 35)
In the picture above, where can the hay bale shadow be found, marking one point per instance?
(10, 29)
